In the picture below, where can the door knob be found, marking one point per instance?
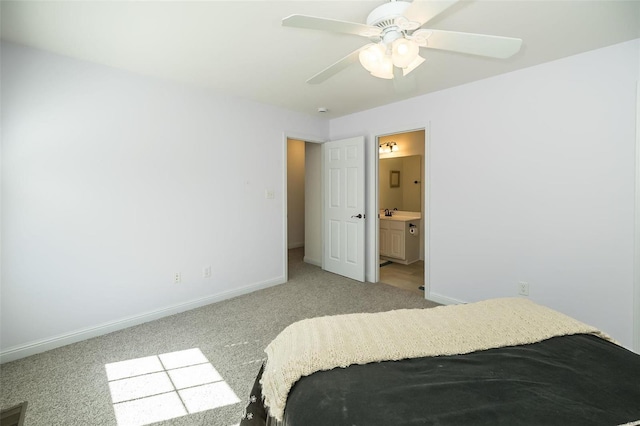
(359, 216)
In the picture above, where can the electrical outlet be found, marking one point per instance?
(523, 288)
(177, 277)
(206, 272)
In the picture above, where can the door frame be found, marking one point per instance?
(373, 271)
(635, 326)
(372, 267)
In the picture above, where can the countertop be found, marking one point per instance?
(399, 217)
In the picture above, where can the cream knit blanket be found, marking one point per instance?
(328, 342)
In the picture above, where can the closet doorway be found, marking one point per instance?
(304, 203)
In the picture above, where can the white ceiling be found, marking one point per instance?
(240, 47)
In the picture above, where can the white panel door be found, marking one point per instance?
(344, 207)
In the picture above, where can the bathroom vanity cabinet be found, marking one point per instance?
(397, 244)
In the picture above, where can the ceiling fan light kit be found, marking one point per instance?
(394, 29)
(404, 52)
(374, 59)
(385, 70)
(379, 59)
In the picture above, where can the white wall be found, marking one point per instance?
(111, 182)
(531, 179)
(295, 193)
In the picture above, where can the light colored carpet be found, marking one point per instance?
(69, 385)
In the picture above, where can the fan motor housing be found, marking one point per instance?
(385, 15)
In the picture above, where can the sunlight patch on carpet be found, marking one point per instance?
(167, 386)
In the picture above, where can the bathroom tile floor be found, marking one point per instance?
(407, 277)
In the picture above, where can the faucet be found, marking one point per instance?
(387, 212)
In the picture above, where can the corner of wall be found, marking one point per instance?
(443, 300)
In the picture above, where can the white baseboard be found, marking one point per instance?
(312, 261)
(295, 245)
(444, 300)
(32, 348)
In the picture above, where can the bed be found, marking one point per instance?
(497, 362)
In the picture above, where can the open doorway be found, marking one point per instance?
(304, 203)
(295, 193)
(295, 202)
(401, 178)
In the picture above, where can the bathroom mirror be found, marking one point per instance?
(400, 183)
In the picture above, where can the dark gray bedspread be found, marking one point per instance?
(569, 380)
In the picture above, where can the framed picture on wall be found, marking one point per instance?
(394, 179)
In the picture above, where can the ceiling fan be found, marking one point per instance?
(396, 36)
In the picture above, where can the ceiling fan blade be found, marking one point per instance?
(403, 83)
(423, 11)
(413, 65)
(474, 44)
(324, 24)
(335, 68)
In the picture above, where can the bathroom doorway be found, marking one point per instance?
(401, 177)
